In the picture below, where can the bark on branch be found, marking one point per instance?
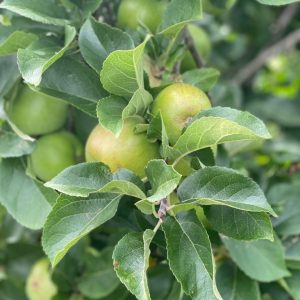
(287, 43)
(192, 47)
(283, 21)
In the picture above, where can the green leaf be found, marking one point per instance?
(48, 12)
(138, 104)
(190, 255)
(80, 87)
(292, 252)
(219, 125)
(11, 145)
(99, 279)
(277, 2)
(83, 179)
(145, 206)
(20, 254)
(10, 289)
(177, 14)
(204, 78)
(235, 285)
(98, 40)
(11, 40)
(261, 260)
(285, 197)
(122, 72)
(293, 283)
(203, 157)
(20, 193)
(125, 182)
(163, 179)
(268, 109)
(73, 218)
(9, 73)
(39, 56)
(175, 292)
(283, 150)
(162, 284)
(157, 131)
(109, 112)
(223, 186)
(123, 187)
(112, 110)
(238, 224)
(121, 293)
(85, 7)
(131, 261)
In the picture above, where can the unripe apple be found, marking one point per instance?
(129, 150)
(55, 152)
(35, 113)
(178, 103)
(39, 285)
(202, 44)
(148, 12)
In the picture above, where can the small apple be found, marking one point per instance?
(129, 150)
(55, 152)
(35, 113)
(39, 285)
(178, 103)
(148, 12)
(202, 44)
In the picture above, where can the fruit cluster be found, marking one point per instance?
(177, 104)
(43, 116)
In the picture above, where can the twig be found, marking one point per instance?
(284, 20)
(194, 51)
(287, 43)
(160, 221)
(294, 168)
(163, 208)
(162, 212)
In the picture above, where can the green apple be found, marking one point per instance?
(55, 152)
(35, 113)
(202, 44)
(129, 150)
(39, 285)
(178, 103)
(148, 12)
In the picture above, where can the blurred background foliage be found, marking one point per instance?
(256, 48)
